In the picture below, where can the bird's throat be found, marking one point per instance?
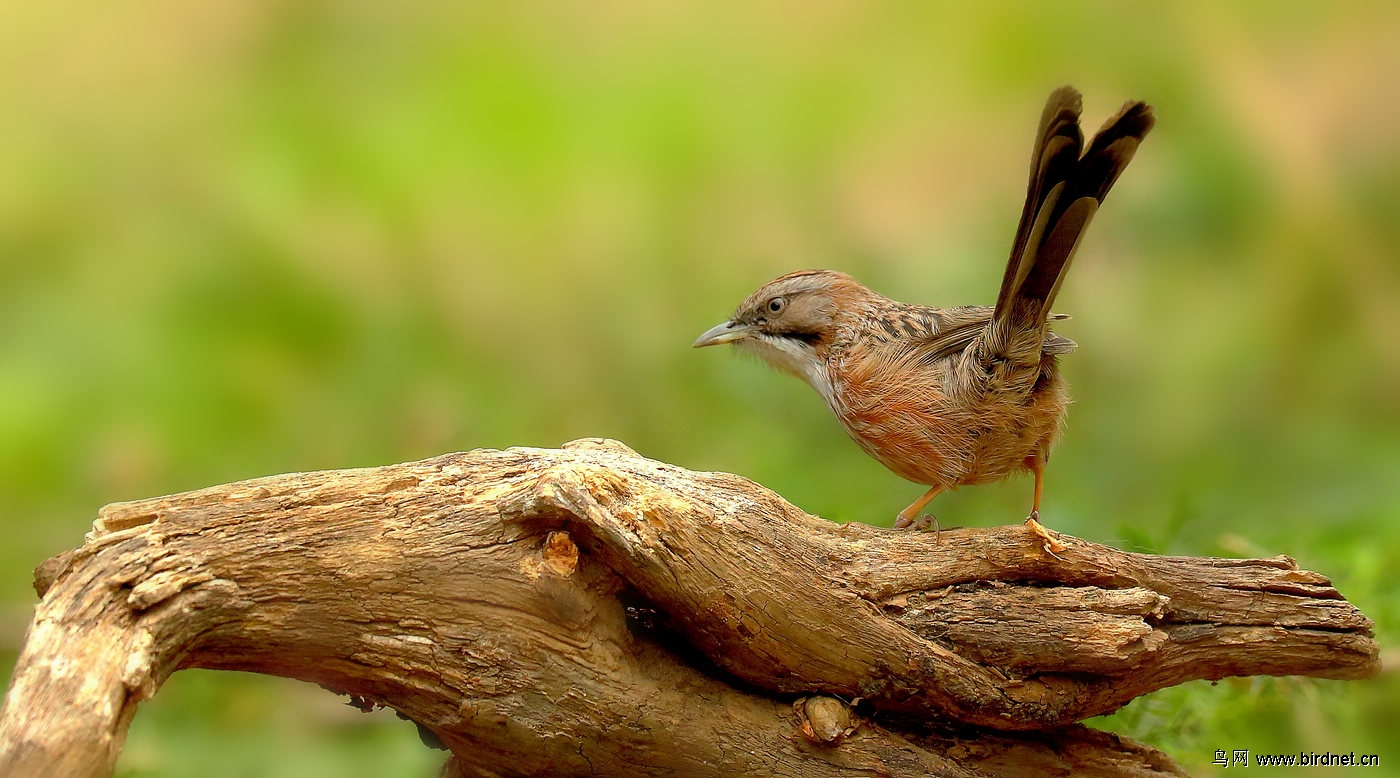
(794, 356)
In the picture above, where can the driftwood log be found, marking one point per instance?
(587, 611)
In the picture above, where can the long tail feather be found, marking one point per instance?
(1063, 195)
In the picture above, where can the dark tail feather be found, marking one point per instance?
(1064, 193)
(1058, 143)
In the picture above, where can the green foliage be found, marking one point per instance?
(230, 725)
(239, 239)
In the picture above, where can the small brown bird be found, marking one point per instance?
(953, 396)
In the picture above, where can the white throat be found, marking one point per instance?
(795, 357)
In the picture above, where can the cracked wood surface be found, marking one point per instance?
(588, 611)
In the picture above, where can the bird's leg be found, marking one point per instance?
(1036, 462)
(907, 516)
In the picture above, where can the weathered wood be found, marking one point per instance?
(588, 611)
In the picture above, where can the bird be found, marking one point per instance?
(957, 396)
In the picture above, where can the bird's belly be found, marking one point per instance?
(932, 439)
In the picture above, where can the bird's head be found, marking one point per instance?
(790, 321)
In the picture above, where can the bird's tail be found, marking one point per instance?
(1065, 191)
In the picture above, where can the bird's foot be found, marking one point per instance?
(921, 524)
(926, 522)
(1049, 543)
(918, 524)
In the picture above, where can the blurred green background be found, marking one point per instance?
(243, 238)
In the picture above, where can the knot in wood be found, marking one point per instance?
(824, 720)
(560, 553)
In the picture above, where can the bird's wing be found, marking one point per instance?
(955, 338)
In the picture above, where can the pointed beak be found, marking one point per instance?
(727, 332)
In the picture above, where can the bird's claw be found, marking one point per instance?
(918, 524)
(927, 521)
(1049, 543)
(924, 522)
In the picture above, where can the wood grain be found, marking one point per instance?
(587, 611)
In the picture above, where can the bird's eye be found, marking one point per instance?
(777, 304)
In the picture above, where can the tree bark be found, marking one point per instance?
(587, 611)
